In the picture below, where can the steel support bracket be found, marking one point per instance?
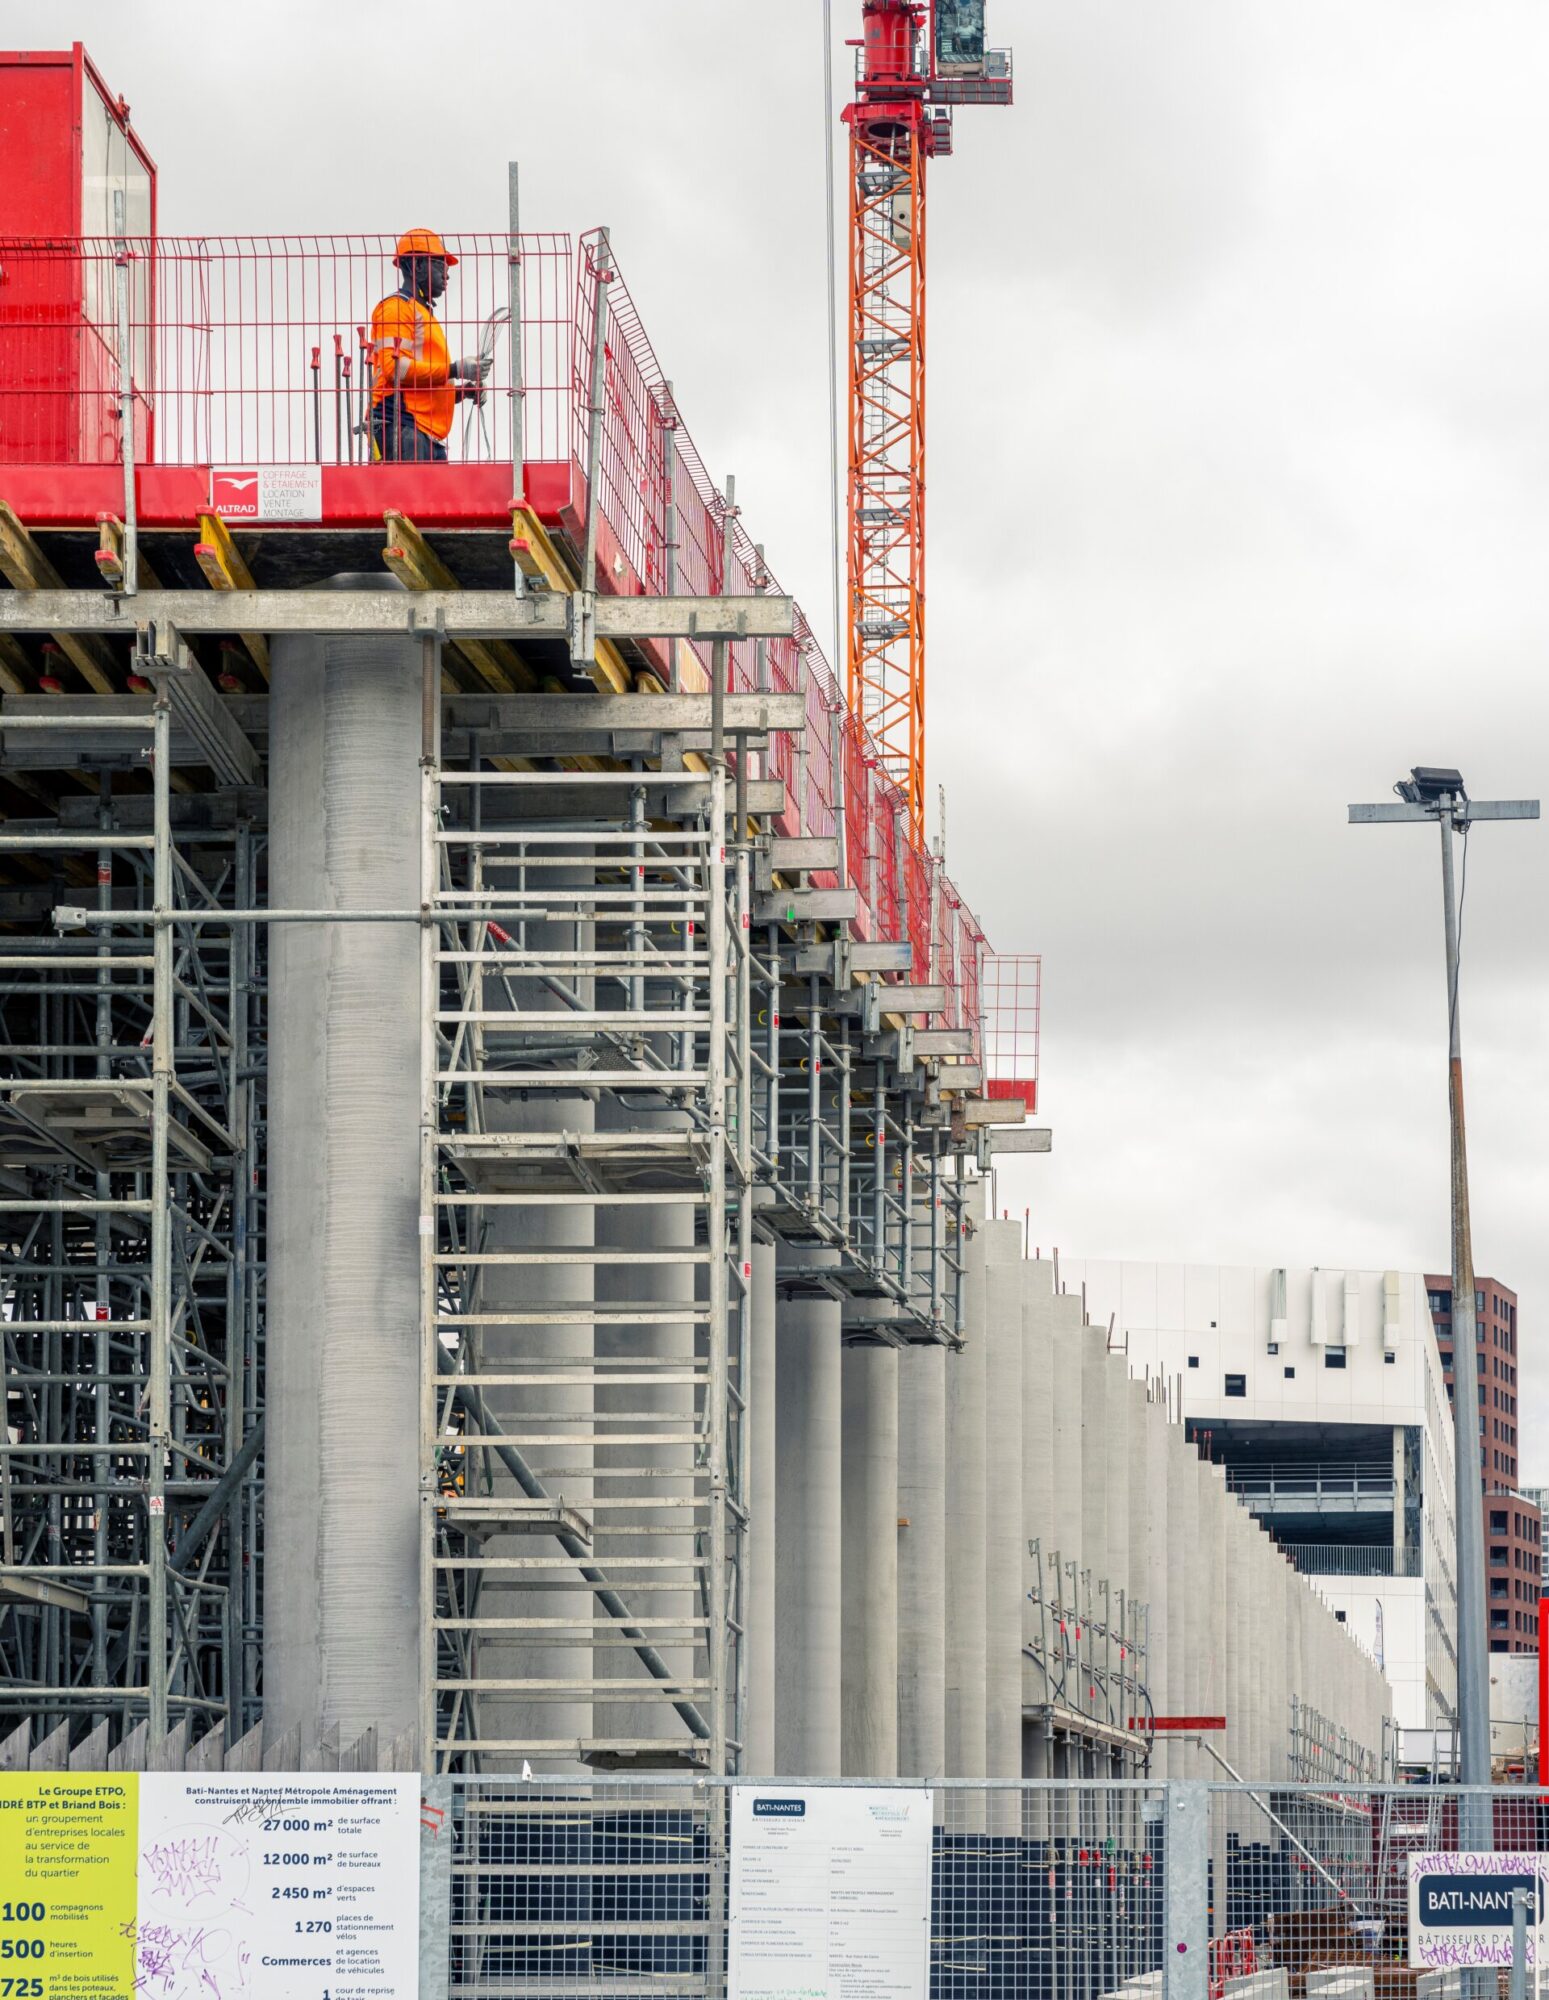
(161, 654)
(581, 627)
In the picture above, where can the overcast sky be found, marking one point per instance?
(1239, 477)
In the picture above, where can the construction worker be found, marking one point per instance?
(417, 385)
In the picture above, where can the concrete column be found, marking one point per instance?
(808, 1614)
(759, 1754)
(1212, 1538)
(1118, 1453)
(1037, 1507)
(966, 1528)
(341, 1579)
(1185, 1633)
(1152, 1496)
(869, 1572)
(1004, 1555)
(1096, 1466)
(1240, 1581)
(1067, 1392)
(922, 1563)
(640, 1234)
(559, 1413)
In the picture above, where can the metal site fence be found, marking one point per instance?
(1062, 1890)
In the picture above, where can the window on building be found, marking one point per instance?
(1237, 1385)
(1289, 1374)
(1193, 1360)
(1274, 1347)
(1339, 1618)
(1391, 1360)
(1500, 1621)
(1498, 1552)
(1333, 1357)
(1498, 1519)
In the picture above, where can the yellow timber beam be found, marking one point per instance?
(540, 562)
(25, 567)
(417, 566)
(216, 554)
(110, 556)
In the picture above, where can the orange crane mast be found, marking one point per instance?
(917, 59)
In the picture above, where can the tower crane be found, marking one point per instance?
(917, 60)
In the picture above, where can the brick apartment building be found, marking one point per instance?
(1513, 1529)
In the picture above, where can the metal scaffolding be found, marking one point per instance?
(129, 1123)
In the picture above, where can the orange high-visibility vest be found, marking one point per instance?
(403, 328)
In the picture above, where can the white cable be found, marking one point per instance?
(501, 316)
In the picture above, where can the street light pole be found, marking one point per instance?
(1439, 795)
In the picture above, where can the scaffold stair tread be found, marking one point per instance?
(515, 1517)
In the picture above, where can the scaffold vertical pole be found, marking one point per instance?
(159, 1428)
(518, 387)
(430, 862)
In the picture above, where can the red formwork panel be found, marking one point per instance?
(68, 146)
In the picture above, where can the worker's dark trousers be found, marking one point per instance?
(398, 436)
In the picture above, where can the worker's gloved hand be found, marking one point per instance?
(472, 367)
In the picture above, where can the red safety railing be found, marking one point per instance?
(257, 351)
(1234, 1955)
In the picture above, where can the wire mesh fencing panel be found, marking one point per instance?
(1313, 1881)
(602, 1887)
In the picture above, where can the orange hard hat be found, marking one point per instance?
(423, 243)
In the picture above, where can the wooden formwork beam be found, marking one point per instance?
(110, 557)
(25, 567)
(223, 568)
(417, 566)
(536, 557)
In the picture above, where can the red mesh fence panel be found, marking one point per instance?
(258, 350)
(886, 806)
(857, 815)
(1012, 1003)
(970, 953)
(919, 885)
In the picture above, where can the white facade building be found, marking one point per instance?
(1321, 1393)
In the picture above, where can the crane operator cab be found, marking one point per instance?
(960, 37)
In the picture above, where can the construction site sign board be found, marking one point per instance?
(830, 1893)
(224, 1887)
(1460, 1907)
(267, 492)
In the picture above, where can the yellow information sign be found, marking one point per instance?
(67, 1885)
